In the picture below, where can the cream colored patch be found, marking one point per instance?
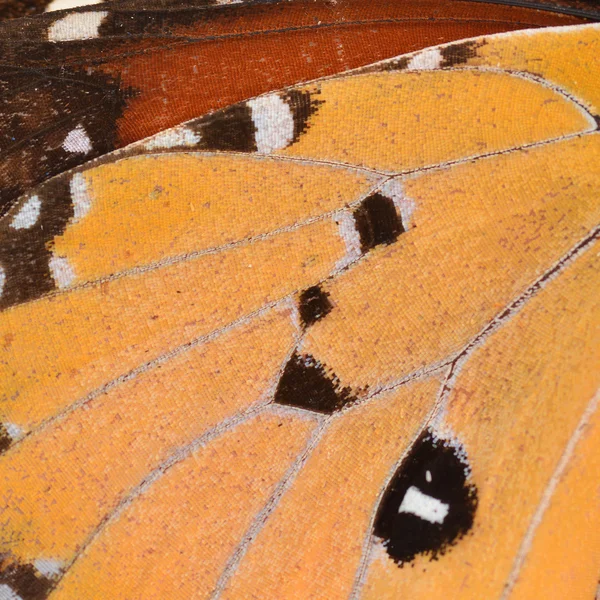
(394, 190)
(64, 4)
(77, 26)
(61, 271)
(48, 567)
(425, 61)
(348, 232)
(80, 197)
(7, 593)
(78, 141)
(173, 138)
(274, 123)
(28, 214)
(14, 431)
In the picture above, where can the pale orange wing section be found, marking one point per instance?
(515, 402)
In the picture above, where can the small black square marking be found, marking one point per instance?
(314, 305)
(377, 221)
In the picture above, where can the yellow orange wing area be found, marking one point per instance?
(562, 56)
(155, 450)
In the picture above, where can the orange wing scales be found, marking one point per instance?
(506, 387)
(335, 341)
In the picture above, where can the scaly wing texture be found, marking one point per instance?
(75, 85)
(336, 341)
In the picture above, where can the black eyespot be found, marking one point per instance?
(428, 505)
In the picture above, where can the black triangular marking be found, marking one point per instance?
(314, 305)
(377, 221)
(428, 505)
(306, 384)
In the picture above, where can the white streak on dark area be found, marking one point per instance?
(77, 26)
(28, 214)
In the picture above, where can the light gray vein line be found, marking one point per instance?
(424, 169)
(437, 413)
(367, 547)
(260, 406)
(191, 256)
(176, 457)
(286, 482)
(139, 149)
(545, 83)
(488, 155)
(415, 171)
(510, 311)
(147, 366)
(261, 518)
(548, 493)
(188, 345)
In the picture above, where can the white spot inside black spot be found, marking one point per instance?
(428, 504)
(423, 506)
(28, 214)
(77, 141)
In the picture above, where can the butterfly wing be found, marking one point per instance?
(88, 81)
(320, 435)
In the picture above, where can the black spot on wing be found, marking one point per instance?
(436, 469)
(377, 221)
(306, 384)
(5, 439)
(303, 104)
(229, 129)
(24, 580)
(314, 304)
(25, 253)
(459, 54)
